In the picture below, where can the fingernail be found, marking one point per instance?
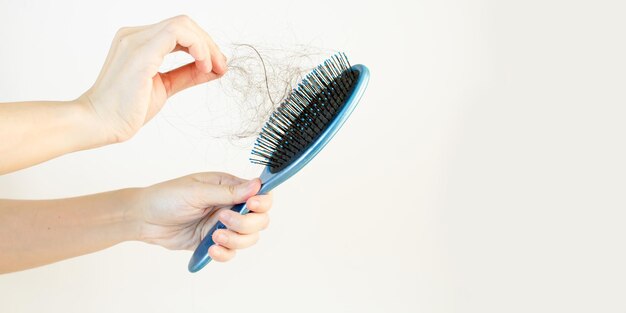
(254, 203)
(222, 238)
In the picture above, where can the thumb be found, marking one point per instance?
(230, 194)
(184, 77)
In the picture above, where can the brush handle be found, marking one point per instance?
(201, 256)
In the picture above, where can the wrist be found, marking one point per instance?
(94, 131)
(129, 213)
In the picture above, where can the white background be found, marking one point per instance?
(483, 171)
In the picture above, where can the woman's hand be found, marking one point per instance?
(177, 214)
(130, 91)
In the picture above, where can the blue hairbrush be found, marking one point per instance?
(298, 129)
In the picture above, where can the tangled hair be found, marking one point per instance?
(260, 79)
(235, 107)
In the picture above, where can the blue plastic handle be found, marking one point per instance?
(201, 256)
(270, 180)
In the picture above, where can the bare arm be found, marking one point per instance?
(33, 132)
(175, 214)
(128, 93)
(34, 233)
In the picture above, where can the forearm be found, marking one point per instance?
(39, 232)
(33, 132)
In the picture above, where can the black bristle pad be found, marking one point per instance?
(305, 114)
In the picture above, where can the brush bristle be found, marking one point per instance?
(305, 114)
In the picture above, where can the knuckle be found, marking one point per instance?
(122, 32)
(171, 29)
(181, 19)
(231, 190)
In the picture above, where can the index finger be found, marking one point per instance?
(218, 59)
(182, 31)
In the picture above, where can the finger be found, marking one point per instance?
(203, 58)
(233, 240)
(217, 178)
(218, 59)
(179, 31)
(184, 77)
(260, 203)
(221, 254)
(227, 194)
(244, 224)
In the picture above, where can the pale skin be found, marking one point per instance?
(129, 91)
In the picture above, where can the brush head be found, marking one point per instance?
(305, 114)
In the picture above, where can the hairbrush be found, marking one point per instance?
(298, 129)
